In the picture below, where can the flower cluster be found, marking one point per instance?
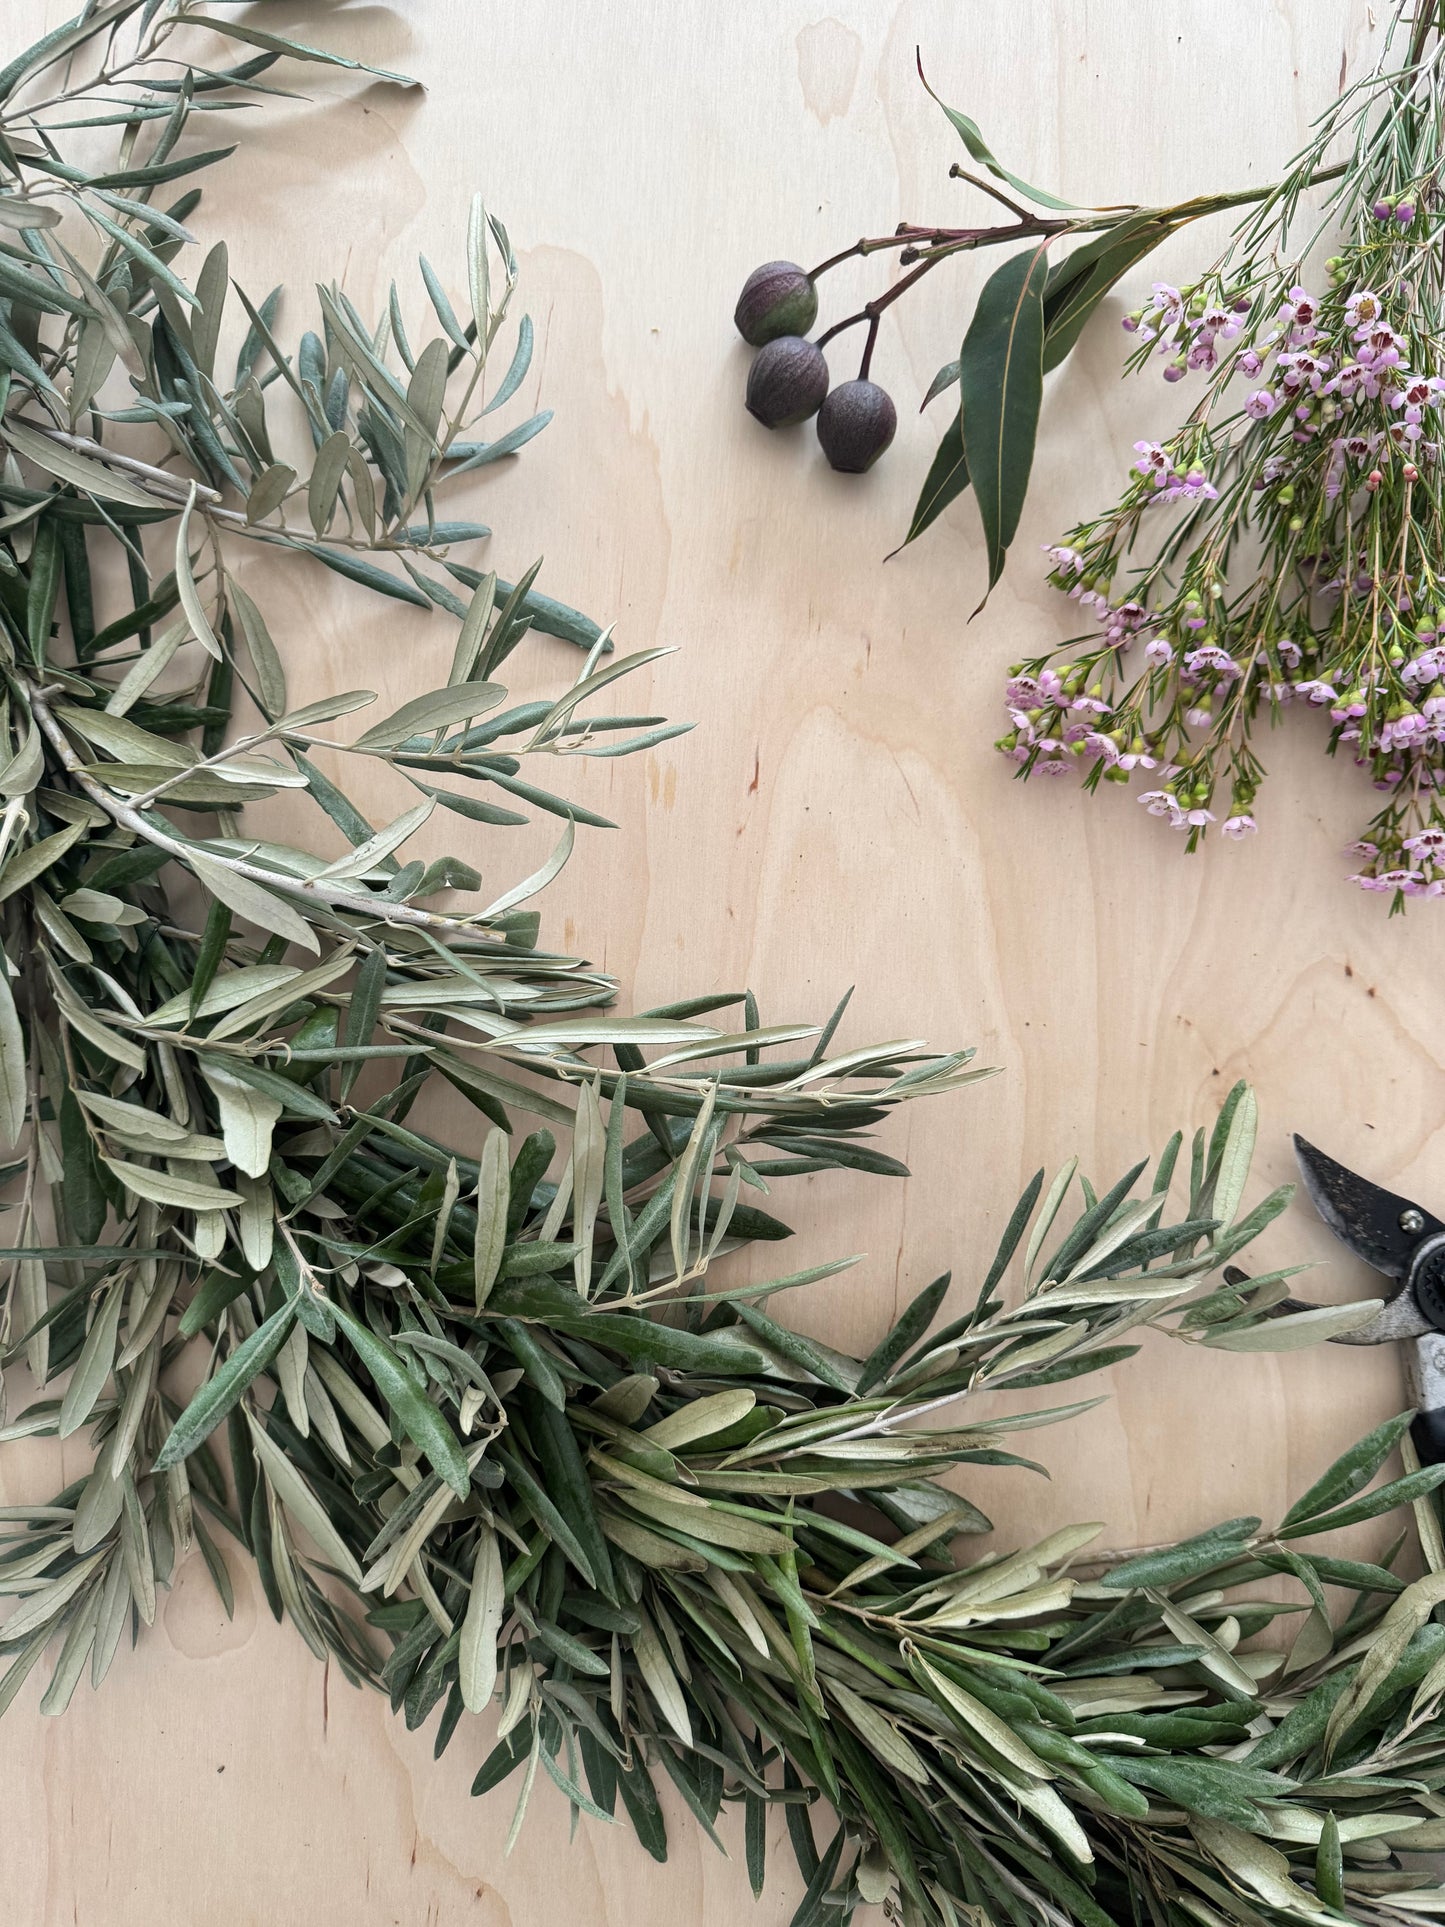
(1315, 453)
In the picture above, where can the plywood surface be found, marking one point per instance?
(837, 817)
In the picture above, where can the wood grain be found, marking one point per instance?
(837, 818)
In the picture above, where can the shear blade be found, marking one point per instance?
(1398, 1317)
(1367, 1220)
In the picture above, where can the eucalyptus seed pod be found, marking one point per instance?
(857, 423)
(787, 382)
(777, 299)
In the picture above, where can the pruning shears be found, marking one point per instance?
(1401, 1240)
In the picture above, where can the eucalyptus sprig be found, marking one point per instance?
(1028, 318)
(1282, 546)
(488, 1419)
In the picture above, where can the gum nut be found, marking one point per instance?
(777, 299)
(787, 382)
(856, 424)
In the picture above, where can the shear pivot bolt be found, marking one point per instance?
(1412, 1220)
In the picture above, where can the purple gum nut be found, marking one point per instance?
(777, 299)
(856, 424)
(787, 382)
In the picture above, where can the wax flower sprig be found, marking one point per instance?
(1305, 567)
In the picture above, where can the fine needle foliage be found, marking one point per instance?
(494, 1435)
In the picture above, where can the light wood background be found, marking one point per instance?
(837, 817)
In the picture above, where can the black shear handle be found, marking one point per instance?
(1427, 1434)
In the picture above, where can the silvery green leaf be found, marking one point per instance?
(975, 1717)
(539, 879)
(248, 1117)
(451, 1191)
(42, 1607)
(326, 710)
(366, 856)
(79, 1017)
(269, 491)
(1292, 1331)
(18, 214)
(493, 1200)
(97, 1509)
(699, 1418)
(186, 582)
(290, 1371)
(1235, 1157)
(473, 630)
(1214, 1657)
(662, 1681)
(23, 770)
(264, 1004)
(478, 274)
(301, 1502)
(589, 1148)
(517, 371)
(1047, 1213)
(125, 740)
(256, 36)
(162, 1187)
(437, 710)
(251, 900)
(135, 1120)
(561, 711)
(482, 454)
(32, 1302)
(115, 1604)
(880, 1735)
(231, 988)
(93, 1367)
(481, 1623)
(32, 860)
(12, 1064)
(144, 671)
(211, 285)
(328, 471)
(69, 465)
(445, 313)
(136, 1550)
